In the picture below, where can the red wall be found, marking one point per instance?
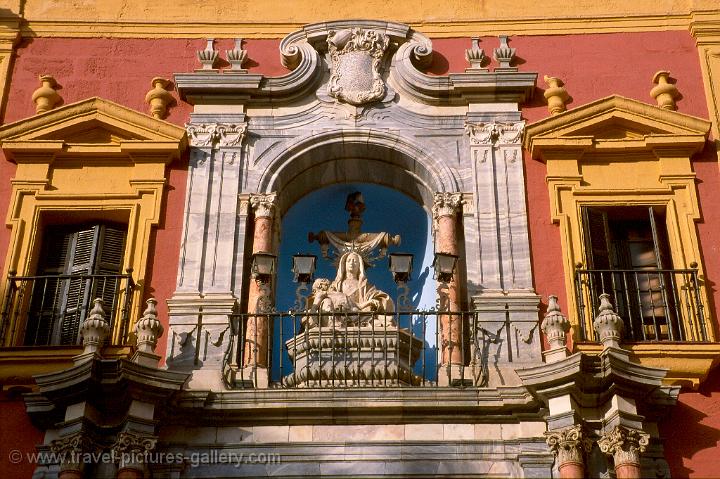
(16, 434)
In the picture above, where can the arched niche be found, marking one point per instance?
(357, 156)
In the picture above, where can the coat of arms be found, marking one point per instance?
(356, 55)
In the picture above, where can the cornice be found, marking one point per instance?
(520, 25)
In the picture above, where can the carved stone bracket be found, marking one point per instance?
(263, 205)
(216, 135)
(495, 133)
(569, 444)
(624, 444)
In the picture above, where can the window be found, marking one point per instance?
(627, 256)
(77, 264)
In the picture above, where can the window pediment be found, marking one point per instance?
(93, 126)
(615, 123)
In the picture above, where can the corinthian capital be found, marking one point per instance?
(263, 204)
(495, 133)
(569, 444)
(447, 204)
(624, 444)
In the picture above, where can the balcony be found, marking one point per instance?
(48, 310)
(656, 304)
(346, 350)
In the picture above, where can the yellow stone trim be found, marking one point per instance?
(706, 30)
(440, 29)
(688, 364)
(9, 38)
(19, 365)
(93, 159)
(621, 152)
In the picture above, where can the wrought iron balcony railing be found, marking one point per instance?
(48, 310)
(334, 350)
(655, 304)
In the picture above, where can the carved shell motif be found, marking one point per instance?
(356, 56)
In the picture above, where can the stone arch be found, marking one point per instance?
(380, 157)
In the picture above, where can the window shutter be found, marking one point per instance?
(596, 236)
(59, 305)
(81, 259)
(110, 260)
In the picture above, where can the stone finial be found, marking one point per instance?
(94, 329)
(555, 325)
(46, 97)
(475, 56)
(209, 56)
(569, 445)
(608, 324)
(159, 98)
(237, 57)
(664, 92)
(624, 444)
(148, 329)
(504, 55)
(556, 95)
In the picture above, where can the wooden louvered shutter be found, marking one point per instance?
(47, 293)
(80, 265)
(596, 235)
(109, 261)
(59, 306)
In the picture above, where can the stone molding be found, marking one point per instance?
(624, 444)
(569, 444)
(216, 135)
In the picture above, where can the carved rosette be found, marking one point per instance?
(569, 444)
(608, 324)
(216, 135)
(356, 57)
(94, 329)
(263, 205)
(447, 204)
(555, 325)
(148, 329)
(624, 444)
(495, 133)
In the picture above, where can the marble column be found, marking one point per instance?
(625, 446)
(569, 447)
(445, 212)
(257, 327)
